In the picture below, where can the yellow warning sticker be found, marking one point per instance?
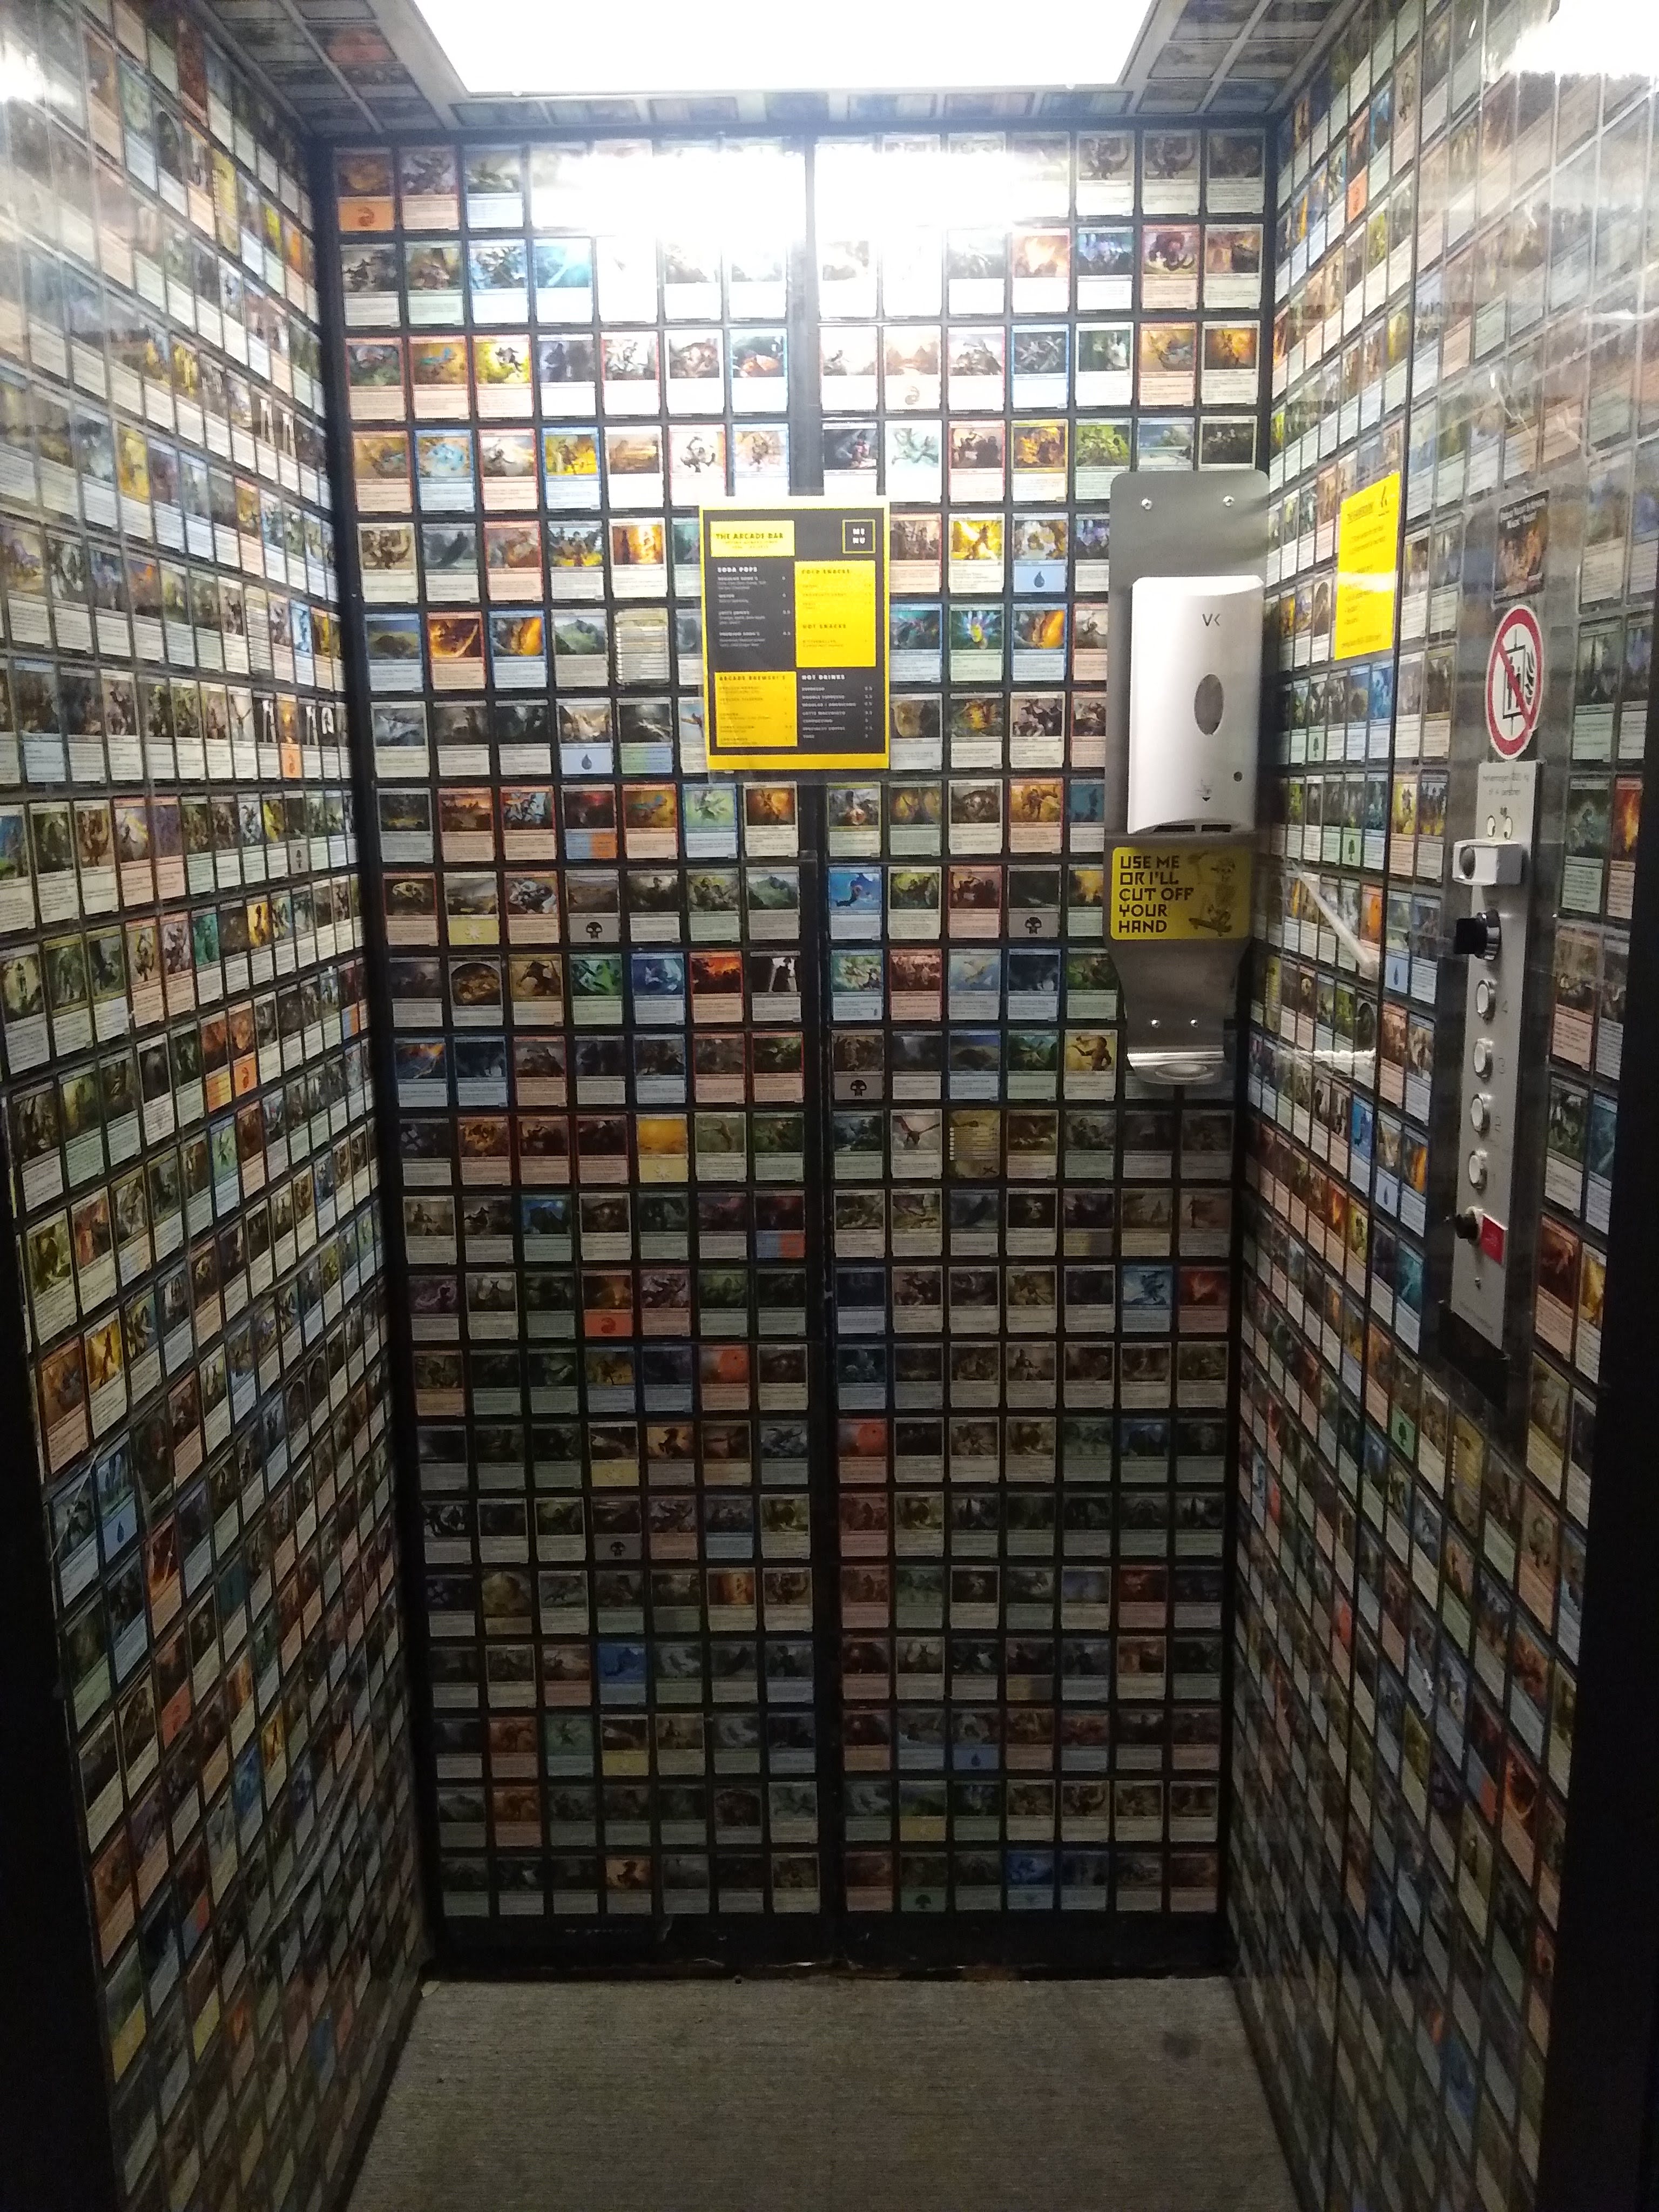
(1367, 558)
(1181, 894)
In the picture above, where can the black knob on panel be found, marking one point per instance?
(1468, 1225)
(1478, 936)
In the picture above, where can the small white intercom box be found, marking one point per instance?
(1195, 703)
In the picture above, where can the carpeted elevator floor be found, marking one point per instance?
(825, 2095)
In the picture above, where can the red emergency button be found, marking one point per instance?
(1493, 1238)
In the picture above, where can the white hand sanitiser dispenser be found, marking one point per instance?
(1184, 625)
(1195, 703)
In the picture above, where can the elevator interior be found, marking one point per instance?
(633, 1365)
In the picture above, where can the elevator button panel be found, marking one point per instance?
(1491, 938)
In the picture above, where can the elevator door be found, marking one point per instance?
(818, 1354)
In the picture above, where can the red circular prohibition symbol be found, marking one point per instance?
(1515, 682)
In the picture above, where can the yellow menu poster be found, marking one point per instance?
(795, 636)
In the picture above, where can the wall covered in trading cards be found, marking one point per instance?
(870, 1459)
(193, 1177)
(690, 1071)
(1465, 295)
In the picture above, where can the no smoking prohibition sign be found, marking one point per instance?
(1514, 683)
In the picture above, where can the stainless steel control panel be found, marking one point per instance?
(1495, 865)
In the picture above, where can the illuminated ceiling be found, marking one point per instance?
(348, 67)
